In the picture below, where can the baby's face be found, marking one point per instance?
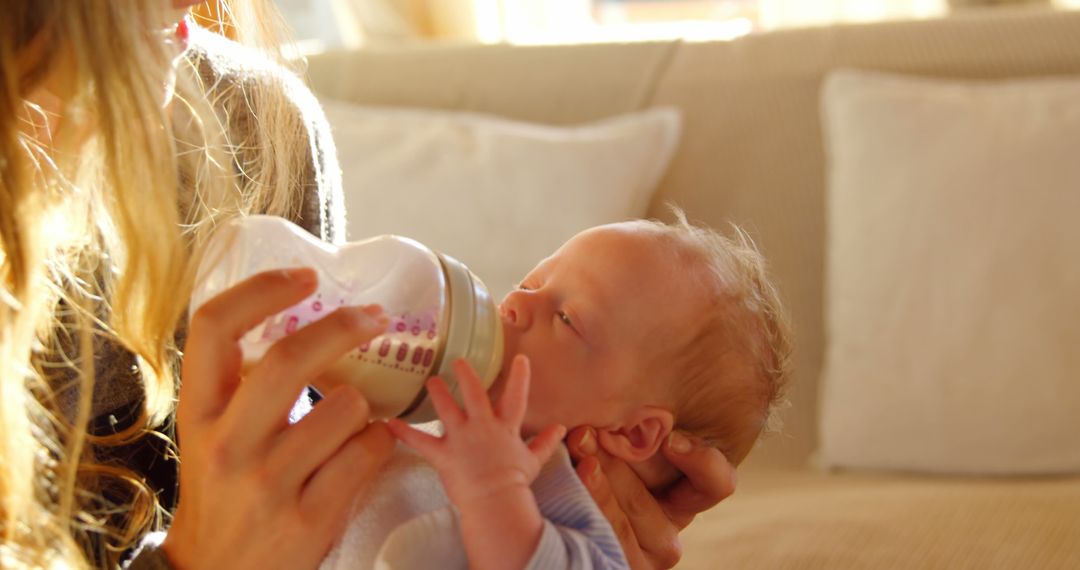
(589, 318)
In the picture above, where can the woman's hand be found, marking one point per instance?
(647, 526)
(255, 491)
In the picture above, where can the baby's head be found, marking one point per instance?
(641, 327)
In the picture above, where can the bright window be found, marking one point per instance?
(576, 21)
(348, 23)
(573, 21)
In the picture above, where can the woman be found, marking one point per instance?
(117, 158)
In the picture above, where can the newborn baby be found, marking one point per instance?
(636, 329)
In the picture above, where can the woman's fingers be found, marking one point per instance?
(247, 475)
(306, 445)
(260, 408)
(328, 498)
(649, 538)
(515, 395)
(590, 473)
(212, 357)
(710, 478)
(581, 442)
(654, 532)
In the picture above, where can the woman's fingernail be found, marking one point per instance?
(678, 442)
(588, 442)
(300, 275)
(375, 315)
(360, 317)
(368, 316)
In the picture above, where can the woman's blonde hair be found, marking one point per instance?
(103, 210)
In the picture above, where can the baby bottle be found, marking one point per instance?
(439, 311)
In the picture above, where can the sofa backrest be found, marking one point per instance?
(751, 151)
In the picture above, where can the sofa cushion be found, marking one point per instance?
(498, 195)
(953, 275)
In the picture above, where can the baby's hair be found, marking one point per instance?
(732, 368)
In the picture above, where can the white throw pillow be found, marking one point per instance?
(953, 275)
(498, 195)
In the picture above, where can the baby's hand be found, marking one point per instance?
(481, 455)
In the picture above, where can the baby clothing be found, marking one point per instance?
(406, 521)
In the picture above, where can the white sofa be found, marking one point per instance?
(752, 152)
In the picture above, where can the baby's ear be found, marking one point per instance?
(640, 436)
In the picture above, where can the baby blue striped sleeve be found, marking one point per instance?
(576, 534)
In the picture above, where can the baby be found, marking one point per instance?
(636, 329)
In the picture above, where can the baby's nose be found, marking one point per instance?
(514, 313)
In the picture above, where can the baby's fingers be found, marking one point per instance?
(477, 404)
(425, 444)
(444, 404)
(544, 444)
(516, 394)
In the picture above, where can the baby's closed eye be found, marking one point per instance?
(564, 318)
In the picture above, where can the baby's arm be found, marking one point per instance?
(486, 467)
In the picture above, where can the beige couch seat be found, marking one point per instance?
(803, 519)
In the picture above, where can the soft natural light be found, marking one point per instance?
(794, 13)
(576, 21)
(581, 21)
(488, 24)
(689, 30)
(335, 24)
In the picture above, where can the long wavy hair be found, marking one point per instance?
(106, 196)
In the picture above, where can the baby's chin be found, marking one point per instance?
(529, 427)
